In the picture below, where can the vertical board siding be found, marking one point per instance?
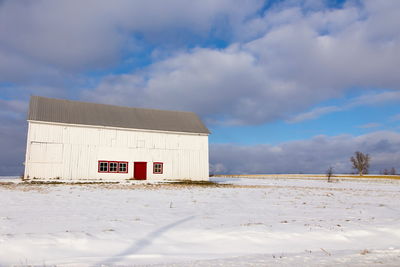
(73, 152)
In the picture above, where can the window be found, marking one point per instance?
(158, 167)
(103, 166)
(113, 166)
(123, 167)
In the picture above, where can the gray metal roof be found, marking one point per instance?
(75, 112)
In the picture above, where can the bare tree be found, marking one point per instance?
(329, 174)
(360, 162)
(393, 171)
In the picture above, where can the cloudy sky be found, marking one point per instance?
(284, 86)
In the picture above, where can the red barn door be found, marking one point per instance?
(140, 171)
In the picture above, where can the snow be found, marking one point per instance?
(253, 222)
(13, 179)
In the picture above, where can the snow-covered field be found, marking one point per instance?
(253, 222)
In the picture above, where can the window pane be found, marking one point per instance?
(122, 167)
(157, 168)
(113, 166)
(103, 166)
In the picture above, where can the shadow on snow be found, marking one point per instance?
(142, 243)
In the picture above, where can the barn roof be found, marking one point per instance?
(76, 112)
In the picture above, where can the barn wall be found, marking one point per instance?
(73, 152)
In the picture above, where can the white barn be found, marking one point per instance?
(78, 140)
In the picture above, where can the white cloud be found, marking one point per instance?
(375, 99)
(13, 107)
(12, 136)
(301, 59)
(395, 117)
(370, 125)
(17, 68)
(45, 36)
(370, 99)
(307, 156)
(213, 83)
(313, 114)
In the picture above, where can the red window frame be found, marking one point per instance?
(154, 167)
(102, 161)
(127, 164)
(108, 166)
(116, 168)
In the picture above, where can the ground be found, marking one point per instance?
(252, 222)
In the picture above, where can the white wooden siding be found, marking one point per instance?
(73, 152)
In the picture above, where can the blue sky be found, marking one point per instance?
(277, 82)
